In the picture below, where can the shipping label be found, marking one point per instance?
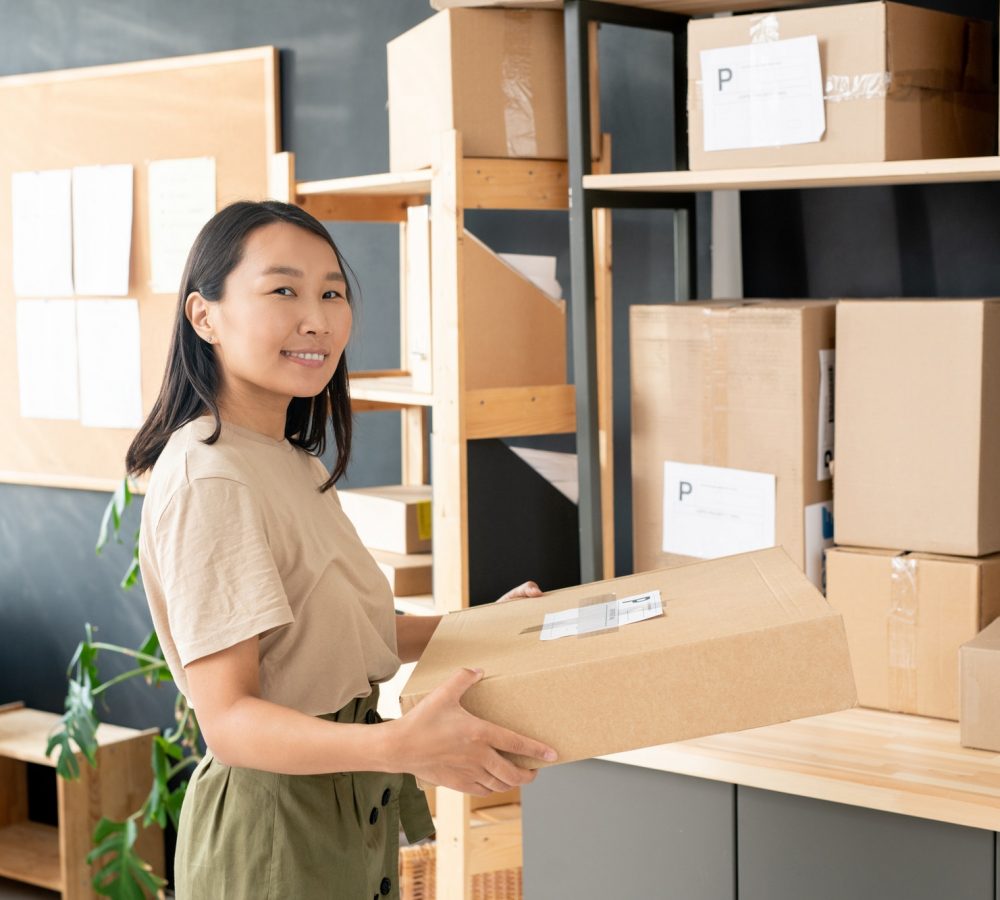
(611, 614)
(824, 445)
(710, 511)
(763, 95)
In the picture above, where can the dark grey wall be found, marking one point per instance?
(334, 119)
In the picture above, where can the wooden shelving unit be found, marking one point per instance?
(909, 171)
(55, 857)
(464, 848)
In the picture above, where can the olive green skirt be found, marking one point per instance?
(245, 834)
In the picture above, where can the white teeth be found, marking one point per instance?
(318, 356)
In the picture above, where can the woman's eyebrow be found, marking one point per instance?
(297, 273)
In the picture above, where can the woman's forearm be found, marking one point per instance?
(256, 734)
(412, 635)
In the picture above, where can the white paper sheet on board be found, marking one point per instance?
(102, 229)
(709, 511)
(181, 200)
(46, 359)
(109, 362)
(42, 233)
(763, 95)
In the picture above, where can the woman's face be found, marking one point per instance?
(283, 320)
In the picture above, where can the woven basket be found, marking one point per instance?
(417, 877)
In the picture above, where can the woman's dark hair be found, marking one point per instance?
(191, 381)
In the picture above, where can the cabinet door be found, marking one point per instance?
(792, 848)
(597, 830)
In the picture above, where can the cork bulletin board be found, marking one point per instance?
(223, 106)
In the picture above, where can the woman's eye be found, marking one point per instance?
(285, 292)
(332, 295)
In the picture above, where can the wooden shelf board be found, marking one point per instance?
(902, 764)
(24, 733)
(510, 412)
(683, 7)
(489, 184)
(392, 391)
(911, 171)
(490, 412)
(418, 605)
(29, 852)
(389, 184)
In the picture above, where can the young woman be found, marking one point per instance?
(276, 623)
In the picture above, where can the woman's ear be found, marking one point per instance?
(196, 308)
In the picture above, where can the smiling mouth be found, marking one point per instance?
(311, 357)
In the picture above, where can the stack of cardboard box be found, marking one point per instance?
(394, 522)
(917, 465)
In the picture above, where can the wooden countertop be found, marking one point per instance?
(887, 761)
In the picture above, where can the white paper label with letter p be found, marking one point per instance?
(763, 95)
(710, 511)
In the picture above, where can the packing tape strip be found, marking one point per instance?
(868, 86)
(765, 30)
(593, 600)
(516, 82)
(901, 632)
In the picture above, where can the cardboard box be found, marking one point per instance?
(898, 82)
(743, 386)
(907, 615)
(497, 76)
(918, 436)
(514, 331)
(409, 574)
(744, 641)
(395, 518)
(980, 672)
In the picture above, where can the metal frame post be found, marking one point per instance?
(578, 14)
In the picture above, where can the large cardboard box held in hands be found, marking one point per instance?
(979, 721)
(741, 386)
(497, 76)
(897, 82)
(907, 615)
(744, 641)
(918, 435)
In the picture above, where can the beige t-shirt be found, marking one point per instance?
(237, 541)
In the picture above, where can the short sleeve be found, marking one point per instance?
(220, 582)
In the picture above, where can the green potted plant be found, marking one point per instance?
(122, 873)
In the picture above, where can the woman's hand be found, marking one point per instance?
(528, 589)
(441, 743)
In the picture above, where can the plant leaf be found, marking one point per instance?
(123, 875)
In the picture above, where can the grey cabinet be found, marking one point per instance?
(793, 847)
(596, 830)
